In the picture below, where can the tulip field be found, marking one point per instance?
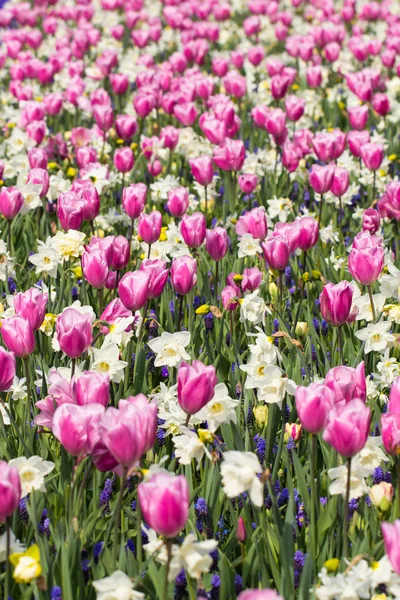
(200, 299)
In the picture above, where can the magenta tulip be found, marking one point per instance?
(76, 427)
(196, 385)
(193, 229)
(253, 222)
(217, 243)
(276, 252)
(158, 275)
(133, 289)
(31, 305)
(164, 501)
(313, 405)
(347, 383)
(91, 388)
(74, 332)
(335, 302)
(11, 202)
(95, 267)
(202, 169)
(149, 227)
(391, 538)
(348, 428)
(178, 201)
(134, 199)
(7, 369)
(18, 335)
(10, 490)
(183, 274)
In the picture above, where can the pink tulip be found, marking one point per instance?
(149, 226)
(276, 252)
(217, 243)
(335, 302)
(348, 428)
(75, 427)
(91, 388)
(340, 182)
(178, 201)
(124, 159)
(113, 311)
(193, 229)
(309, 233)
(241, 530)
(358, 117)
(74, 332)
(134, 199)
(314, 77)
(183, 274)
(230, 156)
(119, 83)
(279, 86)
(158, 275)
(7, 369)
(103, 115)
(229, 296)
(371, 220)
(37, 158)
(202, 169)
(391, 538)
(169, 135)
(129, 431)
(380, 104)
(247, 183)
(390, 428)
(121, 253)
(126, 127)
(133, 289)
(275, 122)
(11, 202)
(347, 383)
(356, 140)
(372, 155)
(321, 178)
(259, 595)
(40, 177)
(366, 264)
(313, 405)
(196, 385)
(95, 267)
(253, 222)
(10, 490)
(394, 398)
(31, 305)
(70, 210)
(251, 279)
(18, 336)
(294, 107)
(164, 502)
(290, 233)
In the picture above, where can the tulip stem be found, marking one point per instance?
(117, 516)
(178, 316)
(313, 496)
(9, 238)
(187, 420)
(28, 392)
(8, 544)
(130, 238)
(168, 546)
(216, 282)
(346, 512)
(372, 302)
(320, 209)
(280, 289)
(340, 345)
(73, 365)
(100, 293)
(374, 187)
(206, 202)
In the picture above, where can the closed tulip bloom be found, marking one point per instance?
(366, 264)
(149, 226)
(75, 427)
(394, 398)
(95, 267)
(259, 595)
(126, 127)
(202, 169)
(340, 182)
(314, 77)
(133, 289)
(391, 538)
(290, 232)
(247, 183)
(134, 199)
(91, 388)
(276, 252)
(31, 305)
(91, 200)
(74, 332)
(229, 296)
(7, 369)
(37, 158)
(241, 530)
(217, 243)
(11, 202)
(372, 155)
(158, 275)
(119, 83)
(10, 490)
(313, 405)
(129, 431)
(178, 201)
(230, 156)
(103, 115)
(121, 253)
(321, 178)
(348, 428)
(380, 104)
(335, 302)
(196, 385)
(390, 429)
(358, 117)
(18, 336)
(347, 383)
(59, 388)
(309, 233)
(275, 122)
(164, 502)
(356, 140)
(193, 229)
(183, 274)
(124, 159)
(253, 222)
(294, 107)
(251, 279)
(40, 177)
(70, 210)
(365, 241)
(371, 220)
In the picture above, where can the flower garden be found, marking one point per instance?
(200, 300)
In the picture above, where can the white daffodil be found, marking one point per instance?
(188, 446)
(57, 185)
(32, 472)
(165, 395)
(158, 250)
(3, 414)
(390, 282)
(376, 336)
(15, 546)
(388, 369)
(106, 360)
(69, 245)
(170, 348)
(31, 193)
(117, 586)
(46, 260)
(117, 333)
(253, 308)
(196, 559)
(276, 385)
(98, 175)
(369, 458)
(239, 472)
(338, 475)
(248, 246)
(280, 208)
(18, 389)
(220, 409)
(363, 304)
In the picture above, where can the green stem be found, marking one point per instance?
(340, 345)
(100, 292)
(168, 545)
(313, 496)
(346, 512)
(28, 392)
(320, 209)
(371, 302)
(216, 281)
(117, 517)
(281, 440)
(73, 366)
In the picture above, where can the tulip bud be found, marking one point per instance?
(381, 495)
(241, 530)
(261, 415)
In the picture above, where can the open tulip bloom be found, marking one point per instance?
(200, 311)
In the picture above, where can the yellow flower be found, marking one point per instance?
(392, 157)
(332, 564)
(77, 271)
(382, 172)
(204, 309)
(295, 87)
(237, 278)
(48, 323)
(26, 564)
(71, 172)
(163, 236)
(261, 414)
(120, 141)
(205, 435)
